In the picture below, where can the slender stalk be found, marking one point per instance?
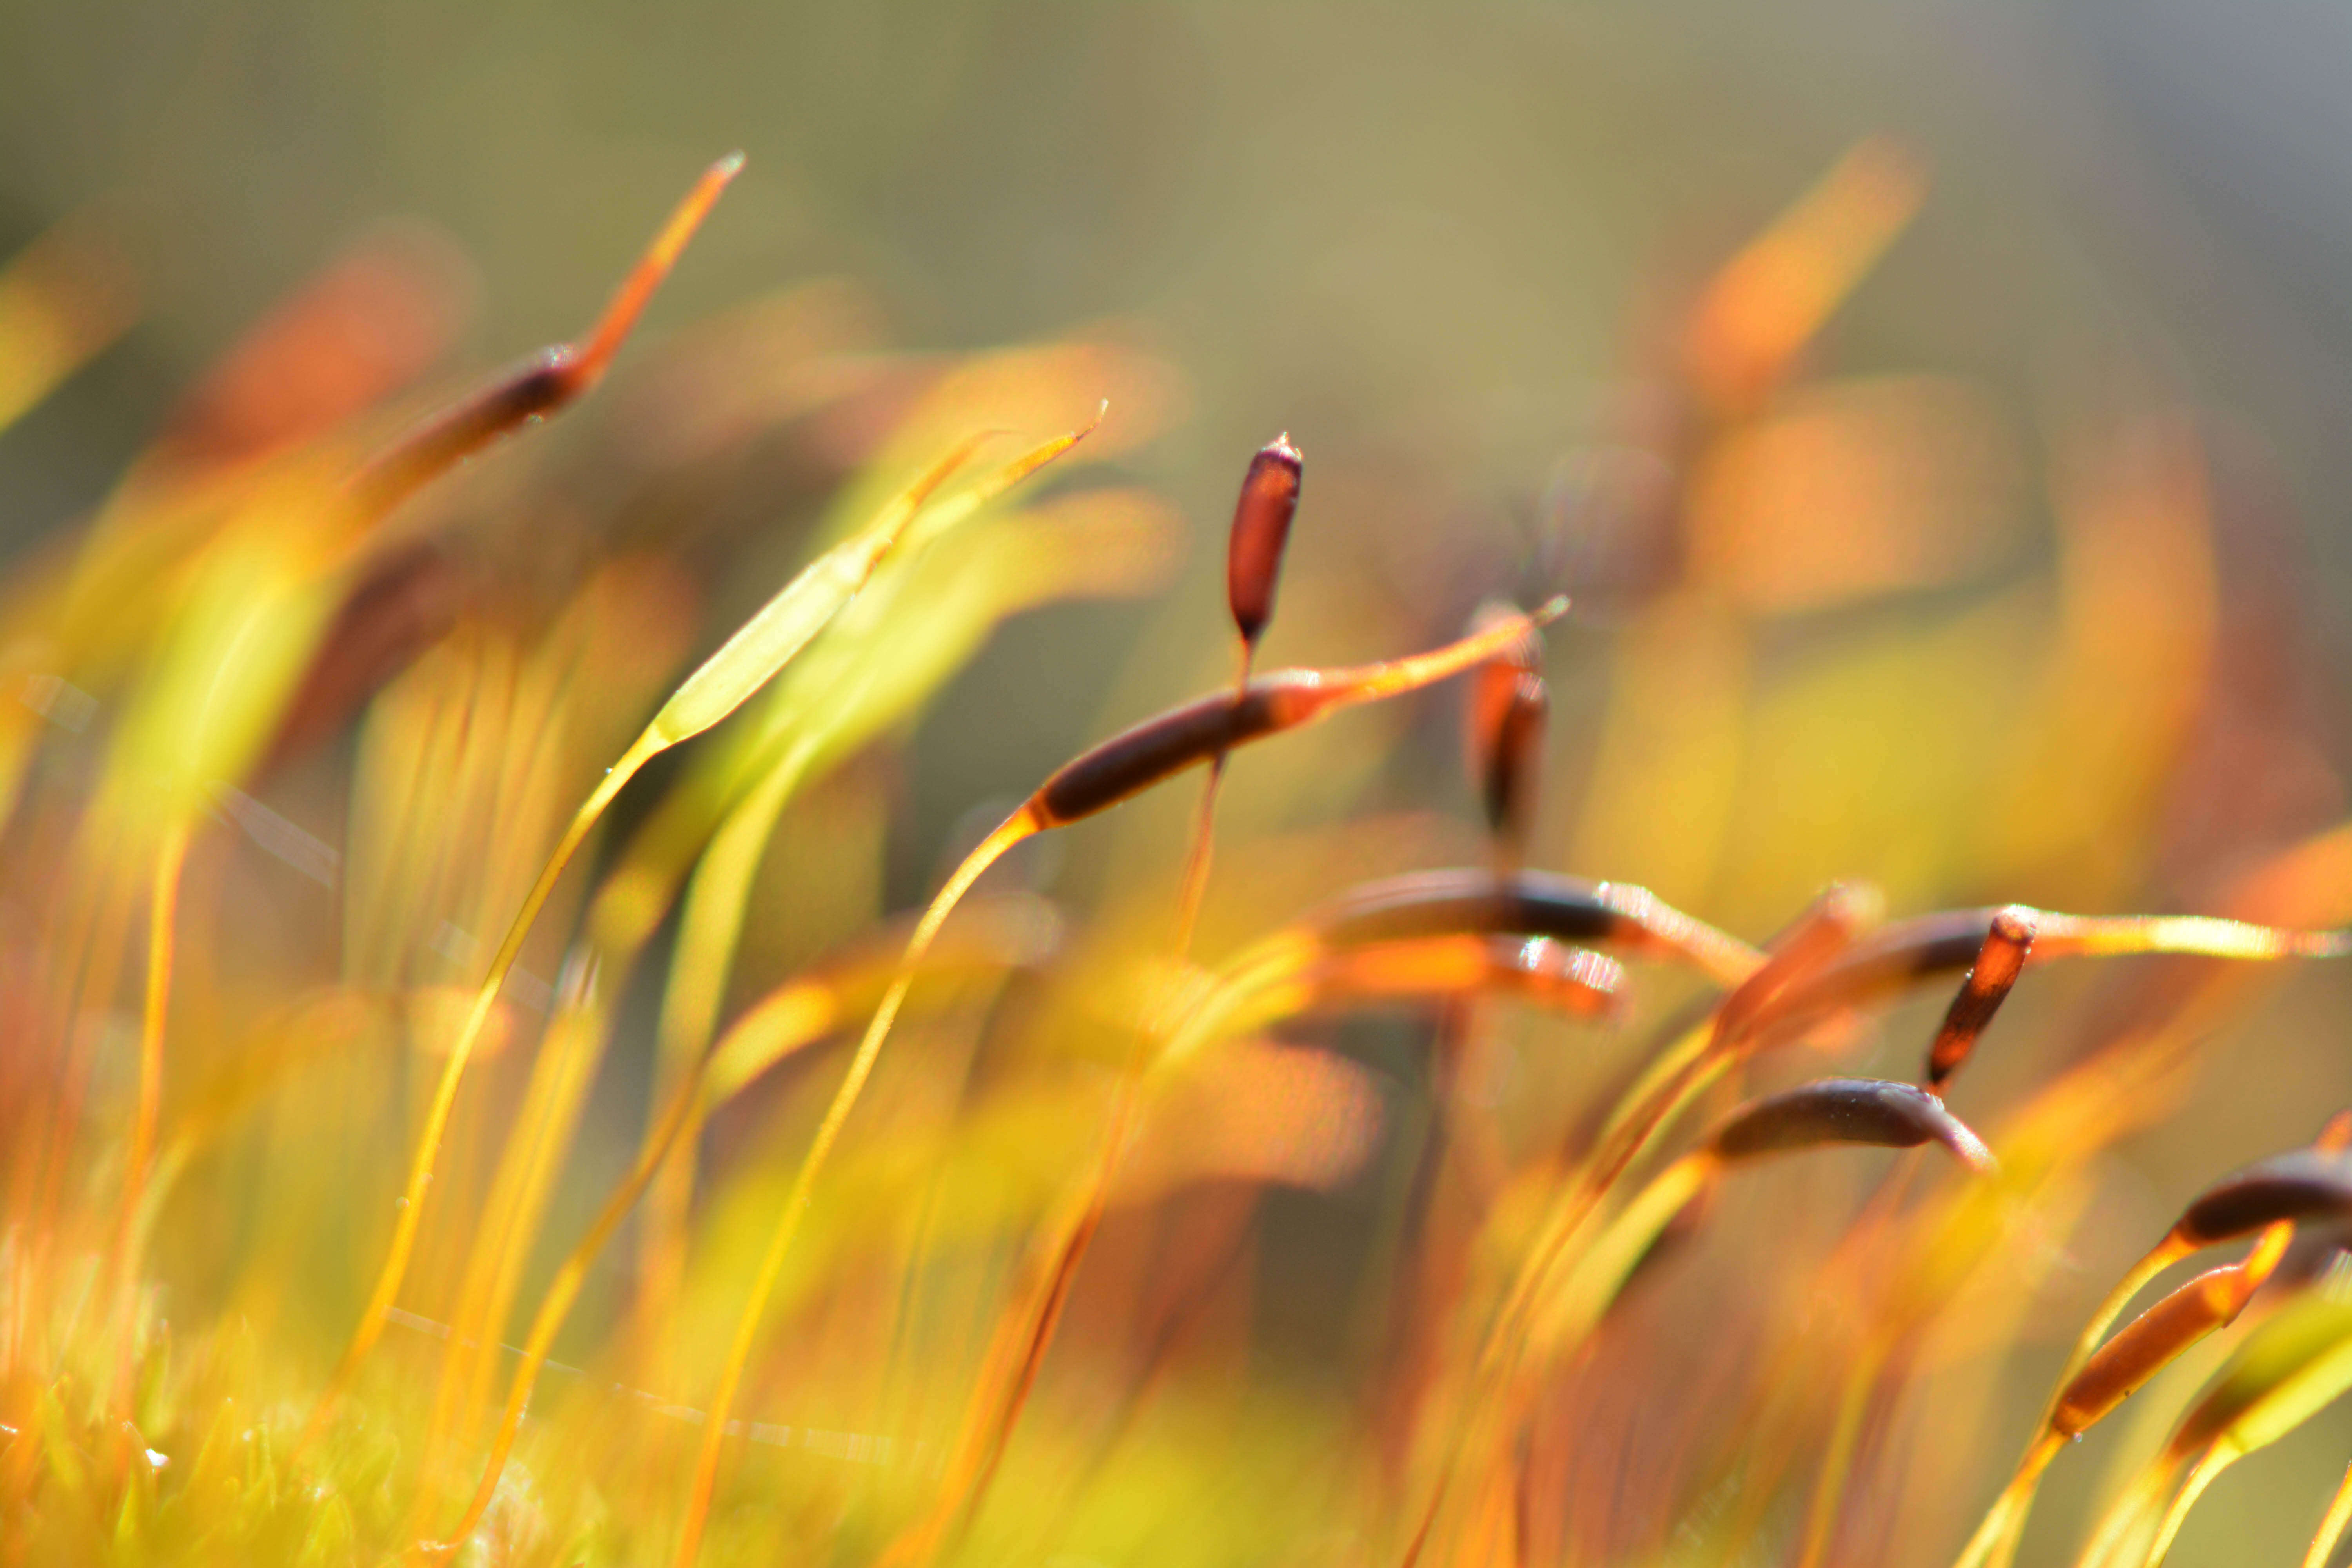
(550, 1109)
(1995, 1541)
(1821, 1511)
(95, 931)
(2331, 1527)
(1021, 824)
(445, 1094)
(994, 1415)
(2132, 1513)
(1201, 851)
(2209, 1467)
(710, 932)
(1576, 1204)
(162, 905)
(556, 1305)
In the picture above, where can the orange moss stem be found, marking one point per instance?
(2332, 1526)
(445, 1094)
(1021, 824)
(1003, 1391)
(564, 1290)
(162, 905)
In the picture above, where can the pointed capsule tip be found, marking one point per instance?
(1968, 1148)
(2017, 923)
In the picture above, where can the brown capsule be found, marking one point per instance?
(1495, 691)
(1887, 960)
(1169, 743)
(1511, 759)
(542, 384)
(2304, 1184)
(1864, 1110)
(1204, 728)
(1998, 963)
(531, 390)
(1531, 903)
(1261, 528)
(2148, 1344)
(1951, 942)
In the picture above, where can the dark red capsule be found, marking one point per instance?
(1999, 963)
(1261, 528)
(1141, 755)
(1421, 904)
(2301, 1185)
(1491, 689)
(1513, 758)
(1884, 962)
(1207, 727)
(1847, 1111)
(540, 384)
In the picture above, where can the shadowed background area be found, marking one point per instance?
(1936, 412)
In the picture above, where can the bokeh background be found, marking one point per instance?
(2026, 576)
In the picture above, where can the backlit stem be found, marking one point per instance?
(411, 1214)
(1021, 824)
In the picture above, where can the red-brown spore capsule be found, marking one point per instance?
(1507, 783)
(1847, 1111)
(2301, 1185)
(1988, 984)
(1508, 707)
(1261, 529)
